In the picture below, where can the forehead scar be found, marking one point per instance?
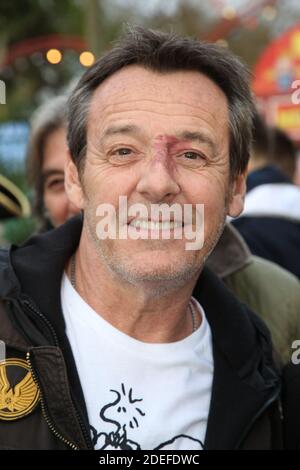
(184, 137)
(162, 146)
(167, 140)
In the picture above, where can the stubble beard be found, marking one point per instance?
(169, 278)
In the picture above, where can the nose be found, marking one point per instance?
(157, 182)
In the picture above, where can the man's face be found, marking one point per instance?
(157, 138)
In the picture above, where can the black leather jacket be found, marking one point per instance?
(244, 410)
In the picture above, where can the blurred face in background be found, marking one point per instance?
(58, 207)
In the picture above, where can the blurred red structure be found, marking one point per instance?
(275, 86)
(243, 16)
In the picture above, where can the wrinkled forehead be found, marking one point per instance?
(172, 94)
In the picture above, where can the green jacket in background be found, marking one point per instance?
(266, 288)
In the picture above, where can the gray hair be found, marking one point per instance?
(166, 52)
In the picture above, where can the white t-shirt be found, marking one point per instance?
(139, 395)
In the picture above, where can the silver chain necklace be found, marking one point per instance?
(73, 282)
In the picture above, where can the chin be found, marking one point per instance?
(150, 268)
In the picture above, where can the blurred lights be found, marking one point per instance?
(269, 13)
(229, 13)
(86, 58)
(54, 56)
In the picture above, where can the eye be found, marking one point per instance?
(192, 159)
(55, 184)
(123, 151)
(193, 155)
(123, 155)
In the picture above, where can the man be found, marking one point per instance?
(130, 343)
(261, 285)
(251, 279)
(270, 222)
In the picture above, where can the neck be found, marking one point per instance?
(141, 311)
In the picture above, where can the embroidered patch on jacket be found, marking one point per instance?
(19, 393)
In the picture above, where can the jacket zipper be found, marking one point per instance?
(45, 320)
(44, 410)
(56, 343)
(258, 414)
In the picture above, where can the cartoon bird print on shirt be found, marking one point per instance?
(125, 413)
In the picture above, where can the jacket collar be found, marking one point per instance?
(40, 262)
(230, 254)
(244, 378)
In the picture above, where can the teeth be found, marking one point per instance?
(151, 225)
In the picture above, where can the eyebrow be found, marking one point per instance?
(47, 173)
(125, 129)
(198, 136)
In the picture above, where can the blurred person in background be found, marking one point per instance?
(270, 221)
(47, 155)
(262, 285)
(262, 168)
(297, 171)
(283, 152)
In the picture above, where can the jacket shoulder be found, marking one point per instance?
(273, 293)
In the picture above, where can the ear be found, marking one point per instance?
(238, 191)
(73, 185)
